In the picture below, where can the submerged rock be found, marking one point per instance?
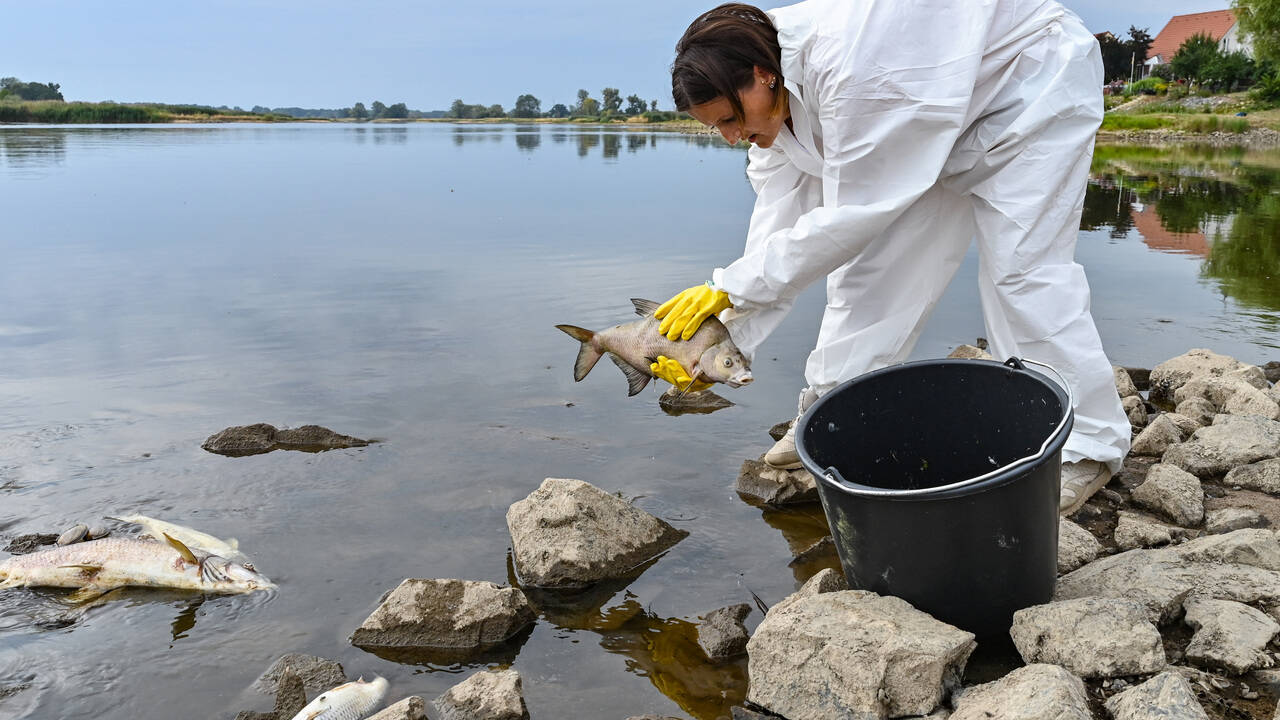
(1164, 697)
(568, 534)
(460, 615)
(721, 634)
(766, 484)
(291, 695)
(1092, 637)
(486, 695)
(242, 440)
(1034, 692)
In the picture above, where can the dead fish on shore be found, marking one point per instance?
(192, 538)
(97, 566)
(349, 701)
(709, 355)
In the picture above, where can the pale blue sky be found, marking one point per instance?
(325, 53)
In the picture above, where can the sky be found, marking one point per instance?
(329, 54)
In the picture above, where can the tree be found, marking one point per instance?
(583, 96)
(399, 111)
(653, 106)
(635, 105)
(590, 107)
(1120, 57)
(1194, 57)
(458, 109)
(1260, 21)
(1231, 71)
(527, 106)
(495, 111)
(558, 111)
(31, 91)
(1139, 44)
(359, 112)
(378, 109)
(611, 100)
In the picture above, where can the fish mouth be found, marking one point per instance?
(739, 382)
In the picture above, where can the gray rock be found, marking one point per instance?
(1136, 410)
(1134, 531)
(1263, 475)
(674, 402)
(1271, 371)
(73, 534)
(1229, 635)
(1186, 425)
(1231, 441)
(772, 486)
(410, 708)
(1076, 546)
(1033, 692)
(1092, 637)
(1173, 493)
(1243, 566)
(452, 614)
(1226, 519)
(970, 352)
(1124, 383)
(1157, 437)
(291, 695)
(1252, 401)
(486, 695)
(853, 653)
(242, 440)
(721, 634)
(314, 438)
(1172, 374)
(318, 674)
(1198, 409)
(823, 581)
(24, 544)
(1166, 696)
(568, 533)
(1217, 390)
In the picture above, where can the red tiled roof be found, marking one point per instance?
(1151, 228)
(1215, 24)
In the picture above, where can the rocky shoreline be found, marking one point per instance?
(1257, 137)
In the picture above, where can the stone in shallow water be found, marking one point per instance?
(702, 402)
(486, 695)
(30, 543)
(721, 634)
(764, 483)
(318, 674)
(459, 615)
(242, 440)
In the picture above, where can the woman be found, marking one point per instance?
(885, 136)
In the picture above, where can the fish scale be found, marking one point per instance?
(349, 701)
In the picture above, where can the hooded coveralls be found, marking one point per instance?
(917, 126)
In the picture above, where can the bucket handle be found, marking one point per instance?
(837, 479)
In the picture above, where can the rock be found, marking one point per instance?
(568, 533)
(674, 402)
(822, 549)
(1227, 519)
(1217, 390)
(466, 615)
(1033, 692)
(1076, 546)
(1124, 383)
(1186, 425)
(1092, 637)
(823, 581)
(1252, 401)
(1243, 566)
(1173, 493)
(741, 713)
(1136, 410)
(853, 653)
(1141, 377)
(315, 438)
(1229, 635)
(1271, 371)
(486, 695)
(73, 534)
(1263, 476)
(1231, 440)
(242, 440)
(24, 544)
(1252, 374)
(291, 695)
(1133, 531)
(255, 715)
(410, 708)
(1172, 374)
(970, 352)
(721, 634)
(1198, 409)
(772, 486)
(777, 431)
(1156, 437)
(1166, 696)
(318, 674)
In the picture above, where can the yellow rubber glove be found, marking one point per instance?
(673, 372)
(683, 314)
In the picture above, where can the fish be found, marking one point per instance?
(349, 701)
(98, 566)
(710, 355)
(194, 539)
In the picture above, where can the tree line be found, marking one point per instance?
(610, 105)
(13, 87)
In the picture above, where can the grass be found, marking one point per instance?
(53, 111)
(1198, 123)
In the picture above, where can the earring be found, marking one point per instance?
(773, 82)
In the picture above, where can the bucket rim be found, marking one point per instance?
(1053, 443)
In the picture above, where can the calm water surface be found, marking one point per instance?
(158, 284)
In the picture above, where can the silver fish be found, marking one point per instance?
(194, 539)
(709, 355)
(349, 701)
(98, 566)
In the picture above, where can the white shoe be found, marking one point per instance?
(1080, 480)
(783, 454)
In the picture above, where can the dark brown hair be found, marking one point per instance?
(718, 54)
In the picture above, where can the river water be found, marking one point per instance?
(401, 282)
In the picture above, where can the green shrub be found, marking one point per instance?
(658, 116)
(1148, 86)
(1133, 122)
(1267, 89)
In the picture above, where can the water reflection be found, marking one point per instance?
(587, 141)
(31, 148)
(397, 135)
(612, 143)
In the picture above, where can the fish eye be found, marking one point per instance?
(728, 362)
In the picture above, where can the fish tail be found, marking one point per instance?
(588, 355)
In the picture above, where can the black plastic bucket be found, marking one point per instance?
(940, 480)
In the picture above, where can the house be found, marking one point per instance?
(1220, 25)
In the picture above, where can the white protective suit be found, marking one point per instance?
(918, 126)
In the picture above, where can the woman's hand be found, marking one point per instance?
(683, 314)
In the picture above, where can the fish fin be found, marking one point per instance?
(83, 566)
(233, 543)
(588, 356)
(636, 380)
(182, 549)
(85, 594)
(645, 308)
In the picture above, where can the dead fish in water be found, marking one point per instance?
(349, 701)
(194, 539)
(709, 355)
(97, 566)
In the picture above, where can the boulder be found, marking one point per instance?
(1076, 546)
(1263, 476)
(1136, 410)
(410, 708)
(1157, 437)
(1198, 409)
(853, 653)
(1251, 401)
(970, 352)
(486, 695)
(291, 694)
(721, 634)
(1186, 425)
(459, 615)
(1271, 371)
(1164, 697)
(823, 581)
(1229, 635)
(1231, 440)
(1134, 531)
(1226, 519)
(1173, 493)
(1124, 383)
(1217, 390)
(1092, 637)
(242, 440)
(1172, 374)
(568, 534)
(1243, 566)
(318, 674)
(772, 486)
(1033, 692)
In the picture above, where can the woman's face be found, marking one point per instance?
(761, 123)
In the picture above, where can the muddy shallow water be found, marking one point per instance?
(402, 283)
